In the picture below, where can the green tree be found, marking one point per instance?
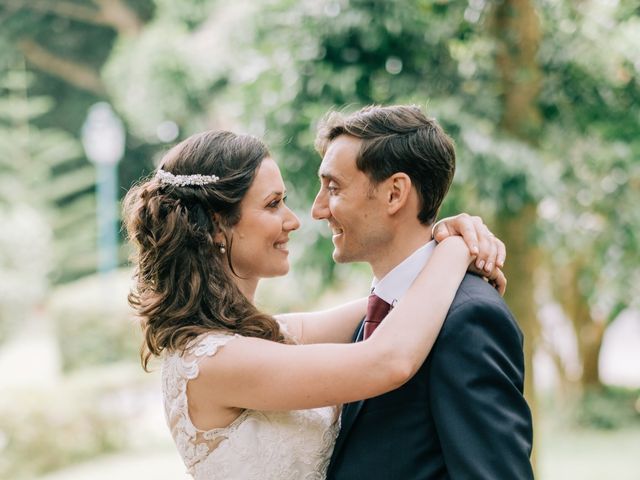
(540, 112)
(65, 45)
(44, 195)
(590, 102)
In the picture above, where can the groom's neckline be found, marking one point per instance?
(395, 284)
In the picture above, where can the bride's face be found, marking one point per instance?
(260, 238)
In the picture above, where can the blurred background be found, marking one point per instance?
(542, 98)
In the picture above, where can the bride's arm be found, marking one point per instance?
(259, 374)
(333, 325)
(337, 325)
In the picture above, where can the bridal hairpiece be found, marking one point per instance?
(168, 178)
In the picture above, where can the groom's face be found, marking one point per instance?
(352, 206)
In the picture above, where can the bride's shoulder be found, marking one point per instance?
(208, 344)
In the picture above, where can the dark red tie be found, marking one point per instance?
(377, 309)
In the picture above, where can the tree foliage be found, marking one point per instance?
(576, 158)
(547, 126)
(45, 199)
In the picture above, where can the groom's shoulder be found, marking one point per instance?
(475, 289)
(476, 297)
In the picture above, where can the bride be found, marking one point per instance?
(248, 395)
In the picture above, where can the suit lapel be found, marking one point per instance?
(350, 411)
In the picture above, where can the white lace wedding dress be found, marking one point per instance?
(287, 445)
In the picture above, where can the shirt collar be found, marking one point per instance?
(395, 284)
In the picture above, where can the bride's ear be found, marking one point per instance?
(220, 236)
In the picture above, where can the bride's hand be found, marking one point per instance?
(490, 251)
(496, 277)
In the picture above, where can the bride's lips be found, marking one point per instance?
(282, 245)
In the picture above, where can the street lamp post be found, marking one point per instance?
(103, 139)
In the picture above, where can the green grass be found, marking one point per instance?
(568, 453)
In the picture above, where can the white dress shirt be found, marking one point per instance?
(395, 284)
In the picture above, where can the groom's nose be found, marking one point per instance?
(320, 207)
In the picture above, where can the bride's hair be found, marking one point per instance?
(183, 283)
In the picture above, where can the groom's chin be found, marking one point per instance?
(340, 257)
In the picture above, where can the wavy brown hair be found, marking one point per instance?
(184, 286)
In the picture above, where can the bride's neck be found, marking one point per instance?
(248, 287)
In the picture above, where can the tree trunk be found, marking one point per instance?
(518, 37)
(74, 73)
(589, 331)
(517, 34)
(522, 259)
(590, 341)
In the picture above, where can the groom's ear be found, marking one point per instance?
(397, 192)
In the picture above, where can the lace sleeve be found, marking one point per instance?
(208, 345)
(203, 346)
(256, 445)
(178, 369)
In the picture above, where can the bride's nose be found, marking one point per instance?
(292, 222)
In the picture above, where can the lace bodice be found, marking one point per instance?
(286, 445)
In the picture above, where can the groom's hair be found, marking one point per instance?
(398, 138)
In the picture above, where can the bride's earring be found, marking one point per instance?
(222, 248)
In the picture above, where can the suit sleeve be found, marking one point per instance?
(476, 377)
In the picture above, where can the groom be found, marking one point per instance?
(385, 172)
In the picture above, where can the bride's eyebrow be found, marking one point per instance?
(275, 193)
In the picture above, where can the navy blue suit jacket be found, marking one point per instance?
(462, 416)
